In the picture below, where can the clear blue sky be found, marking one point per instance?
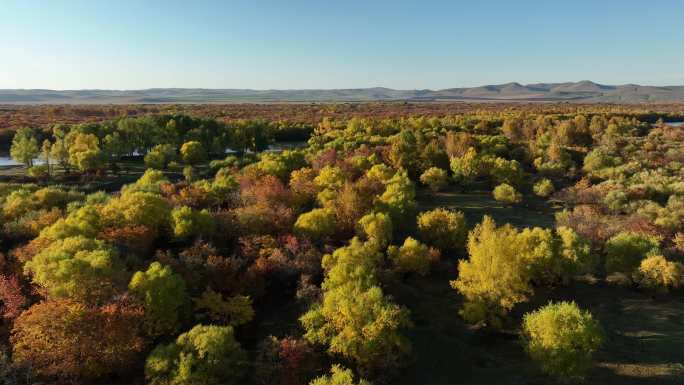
(133, 44)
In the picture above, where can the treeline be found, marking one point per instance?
(44, 117)
(96, 147)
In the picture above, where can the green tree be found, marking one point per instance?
(503, 170)
(543, 188)
(399, 198)
(355, 319)
(403, 153)
(190, 173)
(562, 339)
(359, 323)
(60, 153)
(435, 178)
(233, 311)
(624, 251)
(467, 167)
(412, 256)
(377, 228)
(330, 179)
(115, 146)
(596, 160)
(575, 253)
(193, 153)
(138, 208)
(84, 151)
(507, 194)
(164, 297)
(338, 376)
(78, 268)
(150, 181)
(443, 229)
(24, 146)
(317, 224)
(189, 223)
(494, 278)
(656, 272)
(86, 221)
(206, 355)
(160, 156)
(45, 155)
(538, 250)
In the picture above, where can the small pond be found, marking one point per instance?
(8, 161)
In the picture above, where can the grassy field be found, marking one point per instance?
(129, 171)
(644, 344)
(645, 334)
(532, 211)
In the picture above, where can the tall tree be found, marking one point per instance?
(24, 146)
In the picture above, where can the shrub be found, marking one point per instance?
(338, 376)
(435, 178)
(575, 253)
(72, 341)
(678, 241)
(188, 222)
(233, 311)
(537, 248)
(561, 338)
(138, 240)
(507, 194)
(317, 224)
(503, 170)
(285, 361)
(412, 256)
(207, 355)
(466, 167)
(616, 200)
(150, 181)
(160, 155)
(163, 295)
(192, 152)
(544, 188)
(189, 173)
(443, 229)
(625, 251)
(302, 184)
(399, 198)
(12, 299)
(655, 272)
(596, 160)
(39, 171)
(377, 227)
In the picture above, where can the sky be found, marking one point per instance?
(288, 44)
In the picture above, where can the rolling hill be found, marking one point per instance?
(583, 91)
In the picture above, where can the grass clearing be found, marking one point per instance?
(532, 211)
(644, 333)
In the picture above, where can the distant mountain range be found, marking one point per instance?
(583, 91)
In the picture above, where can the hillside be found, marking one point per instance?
(583, 91)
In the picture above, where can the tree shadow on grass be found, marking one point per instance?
(532, 211)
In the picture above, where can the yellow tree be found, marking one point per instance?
(495, 277)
